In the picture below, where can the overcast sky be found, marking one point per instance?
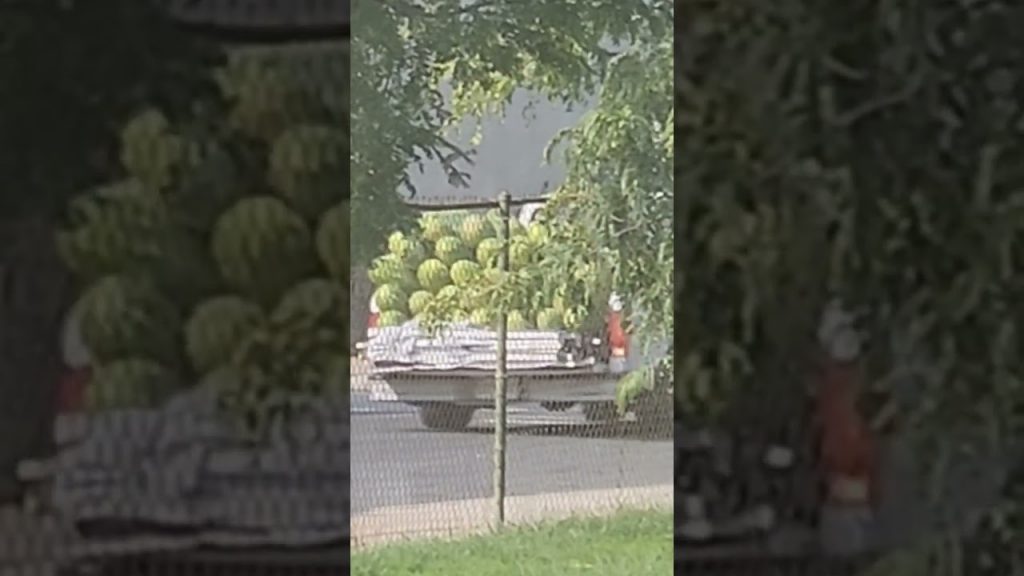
(510, 157)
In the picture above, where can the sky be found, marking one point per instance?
(510, 156)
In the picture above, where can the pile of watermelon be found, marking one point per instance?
(446, 268)
(218, 234)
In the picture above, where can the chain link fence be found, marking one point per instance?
(427, 470)
(424, 421)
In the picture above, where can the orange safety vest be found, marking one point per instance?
(618, 340)
(848, 451)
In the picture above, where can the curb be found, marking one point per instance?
(461, 518)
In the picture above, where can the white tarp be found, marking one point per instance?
(464, 347)
(183, 467)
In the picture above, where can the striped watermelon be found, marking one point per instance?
(262, 247)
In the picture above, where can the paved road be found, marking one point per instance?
(395, 461)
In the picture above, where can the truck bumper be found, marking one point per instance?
(478, 390)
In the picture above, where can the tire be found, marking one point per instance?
(446, 416)
(600, 411)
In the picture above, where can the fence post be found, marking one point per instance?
(501, 370)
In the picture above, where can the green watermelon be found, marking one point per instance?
(144, 125)
(538, 234)
(395, 241)
(269, 95)
(571, 319)
(262, 247)
(473, 297)
(389, 269)
(216, 327)
(408, 249)
(487, 252)
(465, 272)
(493, 276)
(450, 294)
(474, 229)
(450, 249)
(414, 255)
(133, 383)
(315, 297)
(517, 321)
(520, 254)
(432, 275)
(418, 301)
(452, 221)
(434, 227)
(391, 298)
(150, 150)
(224, 378)
(309, 167)
(123, 316)
(549, 319)
(392, 318)
(111, 227)
(483, 317)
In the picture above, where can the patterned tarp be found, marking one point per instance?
(464, 347)
(184, 468)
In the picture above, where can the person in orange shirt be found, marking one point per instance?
(848, 451)
(77, 369)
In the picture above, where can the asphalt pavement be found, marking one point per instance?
(398, 462)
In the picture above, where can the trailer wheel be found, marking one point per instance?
(446, 416)
(600, 411)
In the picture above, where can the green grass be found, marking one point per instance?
(629, 544)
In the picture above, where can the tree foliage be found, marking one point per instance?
(875, 166)
(867, 150)
(620, 184)
(66, 83)
(753, 206)
(487, 50)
